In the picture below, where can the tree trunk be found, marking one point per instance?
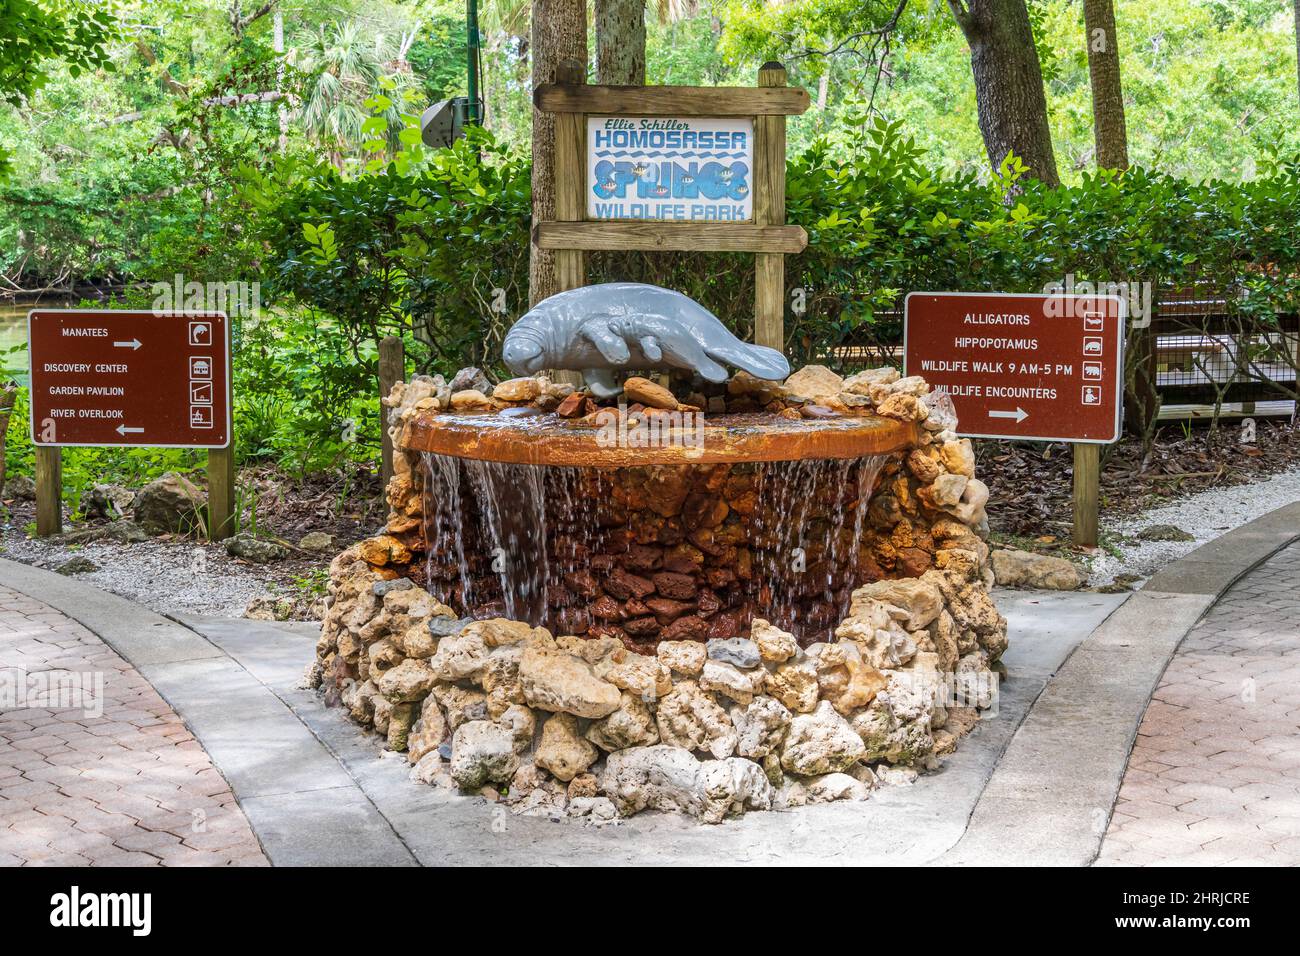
(1008, 83)
(620, 42)
(1296, 7)
(1108, 128)
(559, 33)
(8, 394)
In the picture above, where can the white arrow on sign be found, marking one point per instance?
(133, 344)
(1019, 414)
(123, 429)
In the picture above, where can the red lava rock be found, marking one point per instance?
(666, 490)
(720, 578)
(623, 585)
(583, 582)
(606, 608)
(704, 511)
(708, 603)
(635, 608)
(641, 626)
(642, 557)
(721, 626)
(605, 629)
(688, 628)
(673, 585)
(557, 595)
(667, 610)
(602, 562)
(574, 406)
(683, 559)
(573, 620)
(913, 562)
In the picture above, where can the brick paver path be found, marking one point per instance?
(1214, 777)
(128, 786)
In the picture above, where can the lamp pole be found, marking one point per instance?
(471, 25)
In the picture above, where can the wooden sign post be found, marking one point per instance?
(102, 377)
(1032, 367)
(673, 168)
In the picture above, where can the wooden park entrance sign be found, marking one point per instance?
(1031, 367)
(673, 168)
(136, 379)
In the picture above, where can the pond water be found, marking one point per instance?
(13, 331)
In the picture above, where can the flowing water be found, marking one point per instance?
(502, 537)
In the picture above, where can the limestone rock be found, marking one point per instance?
(959, 457)
(632, 725)
(920, 598)
(400, 720)
(819, 743)
(648, 393)
(502, 632)
(461, 657)
(907, 408)
(683, 657)
(521, 723)
(861, 382)
(555, 681)
(428, 732)
(594, 808)
(730, 681)
(835, 786)
(731, 786)
(460, 704)
(690, 719)
(773, 644)
(583, 785)
(482, 752)
(646, 677)
(409, 681)
(816, 383)
(471, 400)
(517, 390)
(593, 650)
(794, 684)
(1013, 568)
(563, 751)
(760, 727)
(653, 778)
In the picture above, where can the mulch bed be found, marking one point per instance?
(1030, 482)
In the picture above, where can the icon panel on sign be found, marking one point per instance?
(200, 367)
(1091, 395)
(200, 393)
(1093, 321)
(1092, 371)
(201, 416)
(1093, 345)
(200, 333)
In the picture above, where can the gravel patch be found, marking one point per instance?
(167, 576)
(1205, 516)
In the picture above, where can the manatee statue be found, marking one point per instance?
(597, 329)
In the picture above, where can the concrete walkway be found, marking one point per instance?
(1035, 783)
(318, 791)
(95, 768)
(1214, 777)
(1050, 799)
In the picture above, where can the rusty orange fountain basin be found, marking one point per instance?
(548, 439)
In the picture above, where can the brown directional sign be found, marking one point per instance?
(1039, 367)
(103, 377)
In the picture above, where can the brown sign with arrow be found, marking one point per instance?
(107, 377)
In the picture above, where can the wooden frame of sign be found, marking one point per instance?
(766, 234)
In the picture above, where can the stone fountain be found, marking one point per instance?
(707, 593)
